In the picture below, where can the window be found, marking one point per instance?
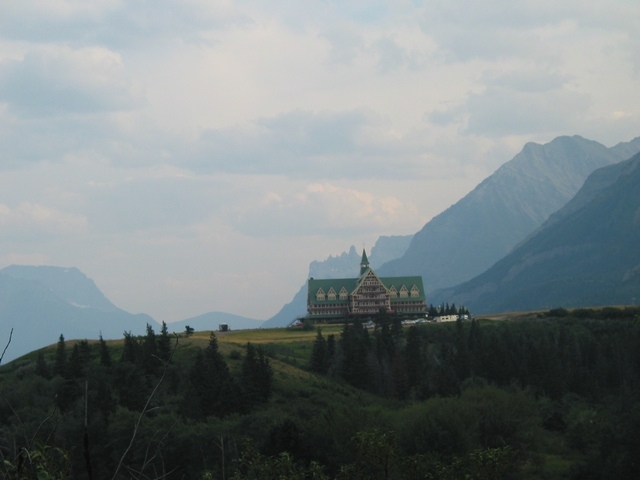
(320, 295)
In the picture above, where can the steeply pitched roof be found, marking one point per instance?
(364, 263)
(350, 284)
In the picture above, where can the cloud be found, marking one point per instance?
(55, 80)
(516, 101)
(31, 221)
(469, 30)
(345, 45)
(321, 209)
(115, 23)
(303, 143)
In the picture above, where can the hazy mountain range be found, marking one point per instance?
(584, 254)
(480, 229)
(41, 303)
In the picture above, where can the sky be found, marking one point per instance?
(194, 156)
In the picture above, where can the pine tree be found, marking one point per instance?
(319, 361)
(331, 349)
(105, 354)
(164, 344)
(150, 360)
(354, 346)
(130, 349)
(60, 363)
(413, 358)
(42, 368)
(211, 379)
(78, 360)
(257, 376)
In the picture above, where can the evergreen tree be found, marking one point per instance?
(463, 357)
(164, 344)
(331, 349)
(60, 364)
(211, 380)
(354, 346)
(150, 361)
(105, 354)
(78, 360)
(257, 376)
(42, 368)
(130, 349)
(413, 358)
(319, 358)
(396, 328)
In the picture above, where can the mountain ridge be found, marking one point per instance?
(482, 227)
(584, 255)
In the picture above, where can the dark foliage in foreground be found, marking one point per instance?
(552, 396)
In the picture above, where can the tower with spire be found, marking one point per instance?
(364, 263)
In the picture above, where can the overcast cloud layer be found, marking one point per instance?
(187, 154)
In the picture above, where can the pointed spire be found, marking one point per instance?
(364, 263)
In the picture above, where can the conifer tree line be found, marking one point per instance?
(212, 389)
(101, 395)
(467, 399)
(588, 352)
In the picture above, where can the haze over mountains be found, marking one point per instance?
(582, 255)
(586, 254)
(40, 303)
(480, 229)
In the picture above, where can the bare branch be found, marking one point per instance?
(145, 409)
(6, 346)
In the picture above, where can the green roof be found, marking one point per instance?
(350, 285)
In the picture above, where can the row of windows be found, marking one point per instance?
(404, 293)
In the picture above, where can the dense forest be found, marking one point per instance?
(550, 395)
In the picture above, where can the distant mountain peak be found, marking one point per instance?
(481, 228)
(39, 303)
(585, 255)
(68, 283)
